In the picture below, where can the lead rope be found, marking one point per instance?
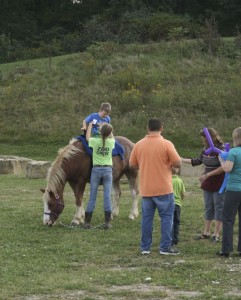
(80, 227)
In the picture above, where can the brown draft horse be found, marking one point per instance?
(73, 165)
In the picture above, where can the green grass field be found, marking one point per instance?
(62, 262)
(43, 103)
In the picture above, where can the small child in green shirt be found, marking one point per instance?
(178, 191)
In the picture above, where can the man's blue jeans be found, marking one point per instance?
(98, 175)
(165, 207)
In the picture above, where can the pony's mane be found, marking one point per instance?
(56, 176)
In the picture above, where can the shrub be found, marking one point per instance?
(144, 26)
(210, 36)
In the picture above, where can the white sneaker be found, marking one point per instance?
(145, 252)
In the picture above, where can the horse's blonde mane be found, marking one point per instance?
(56, 176)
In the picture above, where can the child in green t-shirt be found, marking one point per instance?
(178, 191)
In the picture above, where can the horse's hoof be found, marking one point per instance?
(74, 223)
(114, 214)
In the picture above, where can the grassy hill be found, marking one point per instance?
(43, 102)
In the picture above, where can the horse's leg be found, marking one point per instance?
(116, 193)
(80, 212)
(132, 179)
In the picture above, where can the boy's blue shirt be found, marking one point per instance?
(95, 127)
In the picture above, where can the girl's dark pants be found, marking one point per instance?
(232, 206)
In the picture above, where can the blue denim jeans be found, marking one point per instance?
(165, 207)
(100, 175)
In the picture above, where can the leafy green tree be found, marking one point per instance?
(16, 19)
(230, 16)
(33, 25)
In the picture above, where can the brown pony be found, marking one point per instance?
(73, 165)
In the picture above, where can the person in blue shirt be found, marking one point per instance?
(232, 196)
(97, 118)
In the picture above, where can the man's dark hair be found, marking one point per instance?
(154, 124)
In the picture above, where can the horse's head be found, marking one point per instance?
(53, 206)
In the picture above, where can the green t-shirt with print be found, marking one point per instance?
(102, 155)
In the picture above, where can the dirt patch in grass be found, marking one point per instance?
(120, 292)
(146, 289)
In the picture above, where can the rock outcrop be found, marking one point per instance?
(23, 166)
(38, 169)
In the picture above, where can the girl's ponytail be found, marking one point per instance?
(105, 131)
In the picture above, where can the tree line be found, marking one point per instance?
(31, 28)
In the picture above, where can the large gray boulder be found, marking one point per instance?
(38, 169)
(29, 168)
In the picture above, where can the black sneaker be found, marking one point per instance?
(170, 251)
(215, 239)
(220, 253)
(174, 243)
(202, 237)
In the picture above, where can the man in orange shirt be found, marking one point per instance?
(154, 156)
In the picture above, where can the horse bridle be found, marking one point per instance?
(59, 204)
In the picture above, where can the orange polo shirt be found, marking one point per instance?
(154, 155)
